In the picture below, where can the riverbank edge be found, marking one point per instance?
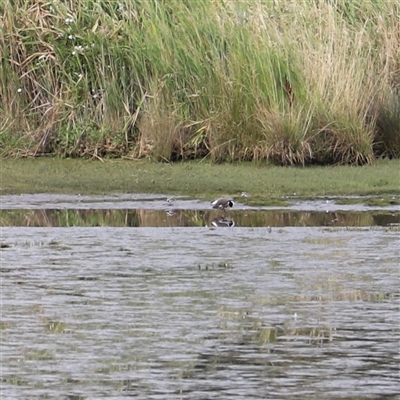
(263, 184)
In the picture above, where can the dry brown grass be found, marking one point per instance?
(291, 82)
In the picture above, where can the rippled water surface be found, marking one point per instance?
(287, 312)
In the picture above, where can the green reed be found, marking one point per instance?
(292, 82)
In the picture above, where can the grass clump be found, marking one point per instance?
(291, 82)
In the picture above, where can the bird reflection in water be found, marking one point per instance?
(223, 222)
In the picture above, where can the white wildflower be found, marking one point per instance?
(19, 90)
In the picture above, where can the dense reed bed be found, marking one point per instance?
(294, 82)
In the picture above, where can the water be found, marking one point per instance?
(190, 312)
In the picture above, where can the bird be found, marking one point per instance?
(223, 203)
(223, 222)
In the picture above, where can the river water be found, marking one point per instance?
(95, 308)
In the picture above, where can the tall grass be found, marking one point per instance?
(295, 82)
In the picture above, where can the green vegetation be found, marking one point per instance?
(196, 179)
(293, 82)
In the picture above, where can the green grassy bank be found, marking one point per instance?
(293, 82)
(265, 184)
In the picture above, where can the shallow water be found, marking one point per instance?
(156, 211)
(199, 313)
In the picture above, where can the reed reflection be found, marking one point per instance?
(211, 218)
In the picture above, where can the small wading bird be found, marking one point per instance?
(222, 203)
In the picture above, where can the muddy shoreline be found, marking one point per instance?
(159, 202)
